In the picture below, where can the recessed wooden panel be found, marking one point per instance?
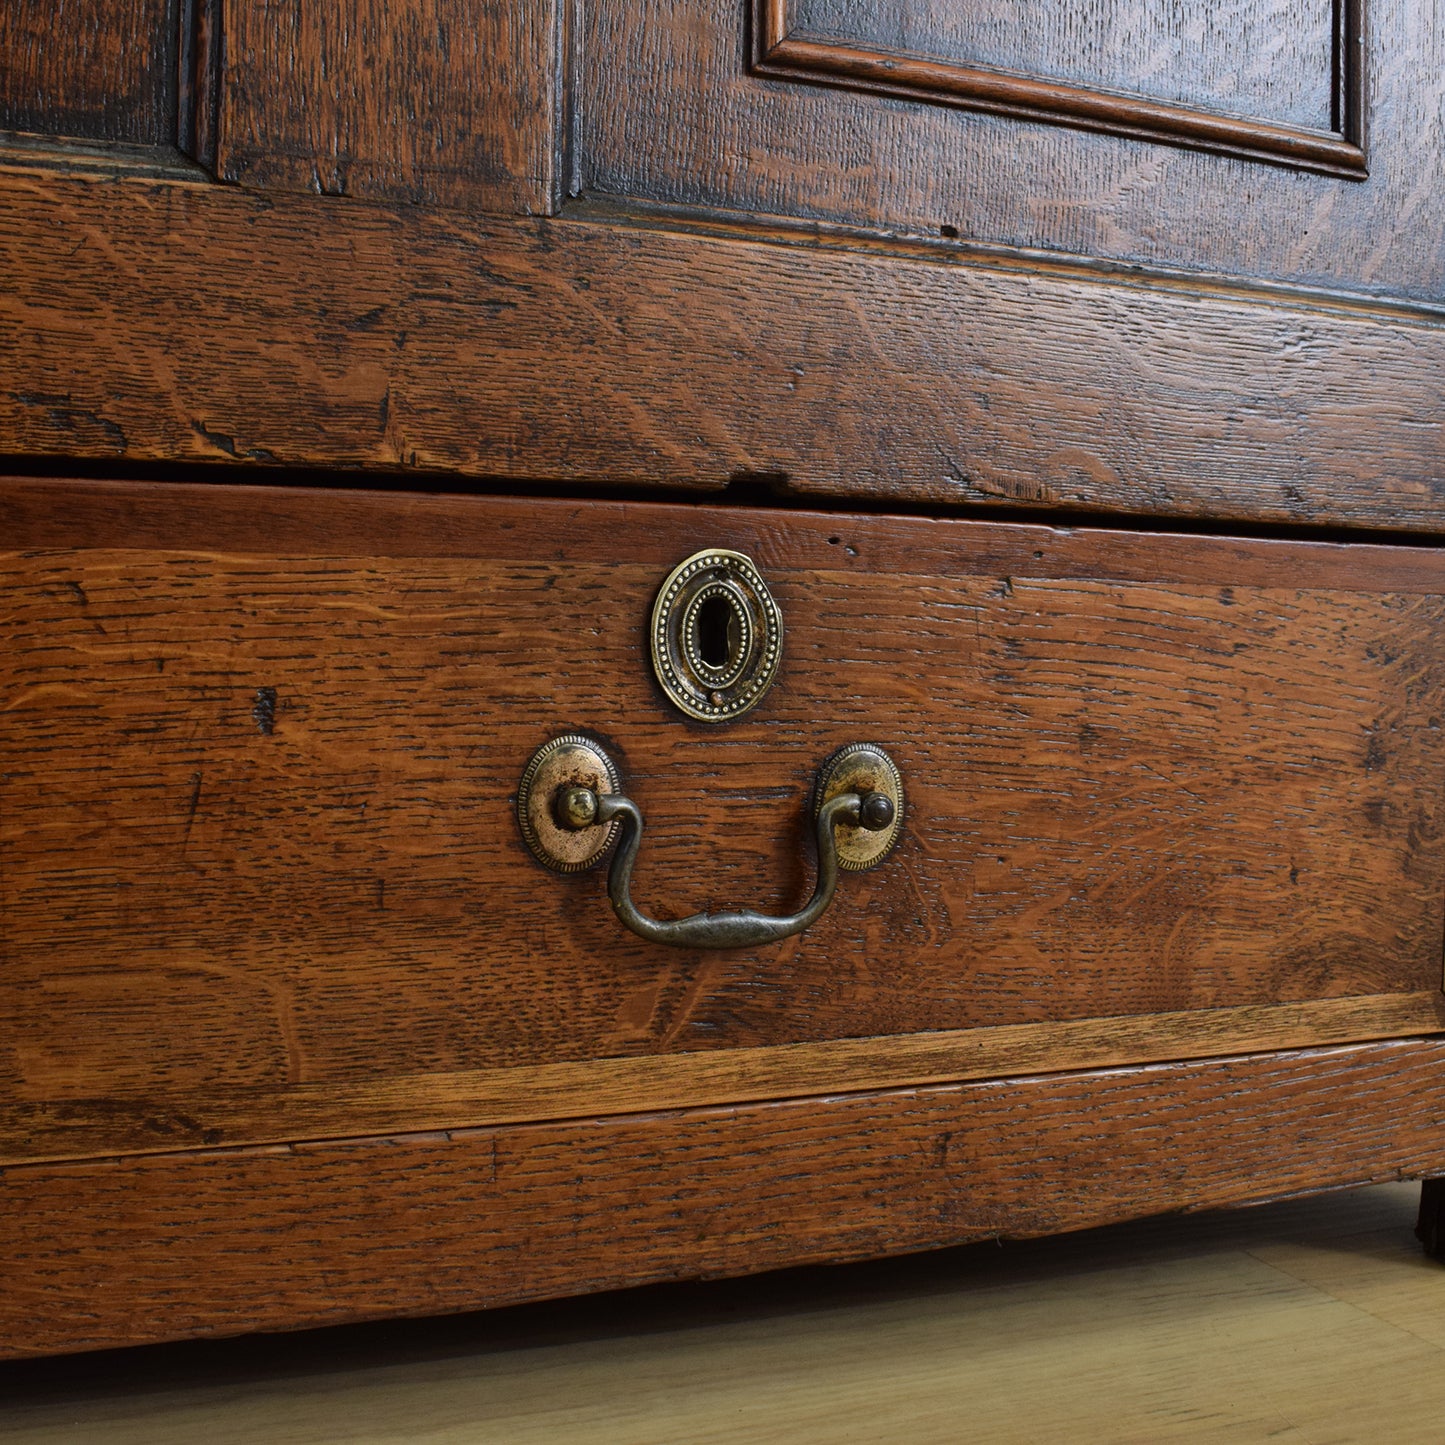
(259, 770)
(99, 69)
(674, 113)
(1265, 79)
(417, 100)
(1271, 59)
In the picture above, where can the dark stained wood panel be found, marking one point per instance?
(198, 117)
(258, 827)
(1273, 59)
(130, 1251)
(670, 114)
(99, 69)
(1262, 79)
(585, 352)
(449, 102)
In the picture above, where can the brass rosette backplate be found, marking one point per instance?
(862, 768)
(570, 761)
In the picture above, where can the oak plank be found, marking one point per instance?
(431, 103)
(101, 69)
(1270, 84)
(291, 521)
(406, 341)
(1266, 60)
(114, 1127)
(671, 96)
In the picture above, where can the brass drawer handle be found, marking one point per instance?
(735, 928)
(858, 794)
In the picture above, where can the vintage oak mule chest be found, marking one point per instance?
(655, 638)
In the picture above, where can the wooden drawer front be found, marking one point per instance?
(262, 878)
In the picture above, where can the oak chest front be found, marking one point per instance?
(366, 378)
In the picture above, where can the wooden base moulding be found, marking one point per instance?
(173, 1122)
(145, 1249)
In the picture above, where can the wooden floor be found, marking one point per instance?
(1315, 1321)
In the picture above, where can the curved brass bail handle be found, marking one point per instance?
(571, 811)
(735, 928)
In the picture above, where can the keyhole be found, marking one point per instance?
(718, 633)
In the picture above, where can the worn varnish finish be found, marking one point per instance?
(102, 69)
(425, 101)
(210, 1243)
(258, 819)
(1169, 797)
(417, 102)
(586, 352)
(185, 1119)
(669, 106)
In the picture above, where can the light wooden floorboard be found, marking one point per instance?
(1311, 1322)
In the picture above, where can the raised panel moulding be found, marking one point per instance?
(790, 43)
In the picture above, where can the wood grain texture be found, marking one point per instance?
(396, 339)
(22, 152)
(667, 107)
(215, 1243)
(101, 69)
(199, 70)
(1271, 59)
(57, 513)
(200, 1117)
(1259, 80)
(427, 101)
(259, 769)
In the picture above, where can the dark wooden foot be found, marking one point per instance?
(1430, 1227)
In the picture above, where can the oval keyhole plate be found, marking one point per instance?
(717, 636)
